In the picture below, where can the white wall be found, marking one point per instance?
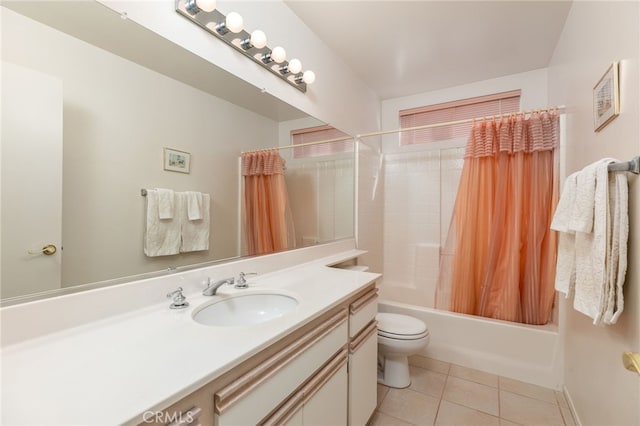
(117, 117)
(596, 34)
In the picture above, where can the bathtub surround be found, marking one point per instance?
(531, 354)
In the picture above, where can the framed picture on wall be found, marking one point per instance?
(606, 98)
(177, 161)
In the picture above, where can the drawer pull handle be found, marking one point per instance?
(363, 301)
(368, 331)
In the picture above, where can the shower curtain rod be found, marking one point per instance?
(407, 129)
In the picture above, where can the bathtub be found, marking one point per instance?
(528, 353)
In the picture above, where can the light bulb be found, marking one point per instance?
(295, 66)
(206, 5)
(278, 54)
(258, 39)
(309, 77)
(234, 22)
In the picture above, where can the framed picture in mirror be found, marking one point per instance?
(177, 161)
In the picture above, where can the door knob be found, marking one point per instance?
(47, 250)
(631, 361)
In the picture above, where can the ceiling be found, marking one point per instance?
(401, 48)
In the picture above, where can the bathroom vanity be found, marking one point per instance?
(316, 364)
(322, 373)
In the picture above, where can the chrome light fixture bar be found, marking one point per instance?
(229, 29)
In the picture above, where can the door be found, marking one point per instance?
(31, 181)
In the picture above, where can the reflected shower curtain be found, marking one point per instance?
(268, 224)
(500, 255)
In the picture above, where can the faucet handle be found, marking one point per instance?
(179, 301)
(242, 283)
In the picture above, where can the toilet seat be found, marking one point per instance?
(400, 327)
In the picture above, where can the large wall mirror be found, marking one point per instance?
(93, 100)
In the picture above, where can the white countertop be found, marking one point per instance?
(113, 370)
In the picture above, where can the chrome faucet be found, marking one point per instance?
(212, 288)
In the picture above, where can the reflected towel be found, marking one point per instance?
(195, 233)
(194, 205)
(162, 236)
(166, 199)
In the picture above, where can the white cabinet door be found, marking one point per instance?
(31, 170)
(328, 406)
(363, 378)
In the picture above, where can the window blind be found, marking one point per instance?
(315, 134)
(482, 106)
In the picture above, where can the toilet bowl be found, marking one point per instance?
(398, 337)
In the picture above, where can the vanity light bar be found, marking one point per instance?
(231, 33)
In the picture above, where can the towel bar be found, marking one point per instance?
(632, 166)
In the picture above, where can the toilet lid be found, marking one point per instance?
(400, 325)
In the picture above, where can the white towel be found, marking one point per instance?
(195, 233)
(165, 203)
(582, 218)
(564, 210)
(601, 256)
(162, 236)
(566, 262)
(194, 205)
(591, 247)
(617, 253)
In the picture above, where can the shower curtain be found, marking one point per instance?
(500, 254)
(268, 224)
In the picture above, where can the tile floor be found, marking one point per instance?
(448, 394)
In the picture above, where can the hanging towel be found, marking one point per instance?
(195, 233)
(162, 236)
(165, 203)
(593, 250)
(617, 254)
(592, 245)
(194, 205)
(566, 263)
(564, 210)
(582, 218)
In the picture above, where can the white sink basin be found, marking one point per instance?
(245, 309)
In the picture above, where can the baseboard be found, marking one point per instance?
(572, 407)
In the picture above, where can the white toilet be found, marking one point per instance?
(398, 337)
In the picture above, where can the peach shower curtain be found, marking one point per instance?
(500, 255)
(268, 224)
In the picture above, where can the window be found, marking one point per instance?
(320, 133)
(483, 106)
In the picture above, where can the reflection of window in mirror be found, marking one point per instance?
(318, 134)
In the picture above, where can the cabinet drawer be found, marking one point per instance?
(253, 395)
(327, 388)
(362, 311)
